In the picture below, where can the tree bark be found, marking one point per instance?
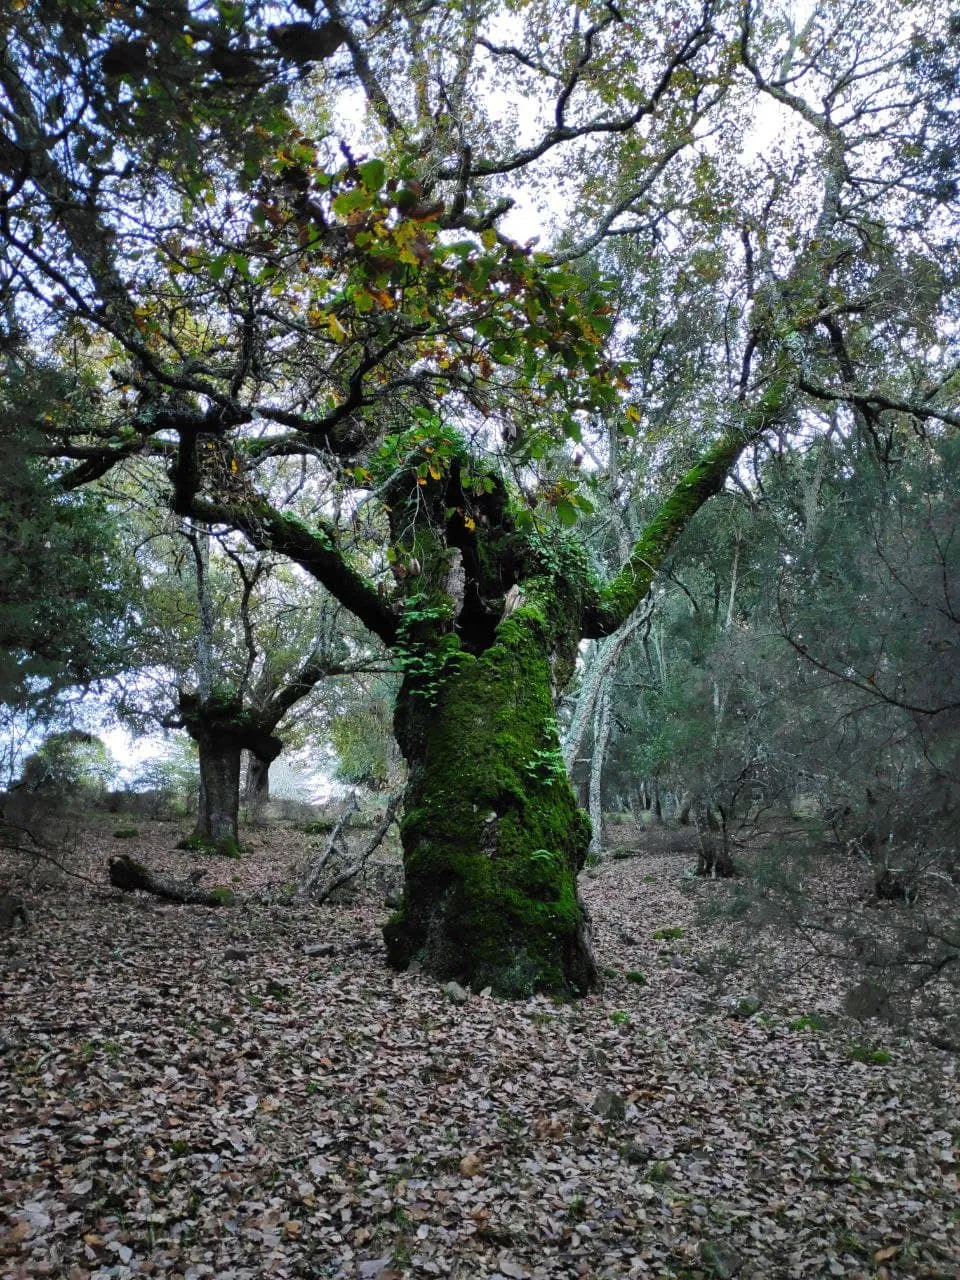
(492, 836)
(657, 803)
(603, 724)
(257, 793)
(218, 818)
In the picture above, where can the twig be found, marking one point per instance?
(36, 849)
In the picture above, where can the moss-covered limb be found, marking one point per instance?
(128, 874)
(493, 839)
(313, 548)
(706, 478)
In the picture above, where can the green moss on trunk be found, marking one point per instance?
(493, 838)
(706, 478)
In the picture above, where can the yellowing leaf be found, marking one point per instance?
(337, 331)
(469, 522)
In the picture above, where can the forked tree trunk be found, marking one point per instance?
(492, 836)
(222, 730)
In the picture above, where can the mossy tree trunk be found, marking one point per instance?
(492, 836)
(493, 839)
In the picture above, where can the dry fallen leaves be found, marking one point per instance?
(167, 1110)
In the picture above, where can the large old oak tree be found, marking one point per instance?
(248, 278)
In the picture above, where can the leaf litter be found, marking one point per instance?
(187, 1092)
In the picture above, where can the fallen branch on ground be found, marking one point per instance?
(128, 874)
(351, 872)
(315, 869)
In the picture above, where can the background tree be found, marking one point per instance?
(232, 646)
(63, 597)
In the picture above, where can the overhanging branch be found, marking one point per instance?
(314, 549)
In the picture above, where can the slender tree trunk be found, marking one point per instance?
(492, 836)
(601, 661)
(601, 740)
(687, 801)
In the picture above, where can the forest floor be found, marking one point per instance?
(185, 1093)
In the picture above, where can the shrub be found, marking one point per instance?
(873, 1057)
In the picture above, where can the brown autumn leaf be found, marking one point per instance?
(388, 1099)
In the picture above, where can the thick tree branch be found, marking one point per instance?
(315, 550)
(619, 599)
(871, 401)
